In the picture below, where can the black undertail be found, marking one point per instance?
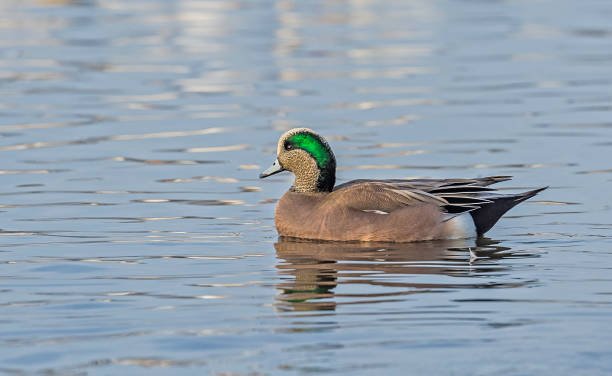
(487, 215)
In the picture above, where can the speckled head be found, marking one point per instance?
(308, 155)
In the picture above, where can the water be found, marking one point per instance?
(136, 238)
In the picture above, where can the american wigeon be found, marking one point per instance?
(396, 210)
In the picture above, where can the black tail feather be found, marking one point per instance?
(487, 215)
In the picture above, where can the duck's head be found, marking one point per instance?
(306, 154)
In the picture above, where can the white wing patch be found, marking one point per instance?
(375, 211)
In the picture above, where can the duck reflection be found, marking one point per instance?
(311, 271)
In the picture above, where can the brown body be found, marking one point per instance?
(322, 216)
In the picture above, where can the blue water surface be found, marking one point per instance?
(136, 237)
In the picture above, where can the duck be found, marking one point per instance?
(371, 210)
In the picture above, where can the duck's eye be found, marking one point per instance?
(288, 146)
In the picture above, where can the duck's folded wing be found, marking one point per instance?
(381, 197)
(388, 195)
(454, 196)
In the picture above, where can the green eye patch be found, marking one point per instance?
(312, 145)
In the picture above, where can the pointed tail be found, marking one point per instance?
(486, 216)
